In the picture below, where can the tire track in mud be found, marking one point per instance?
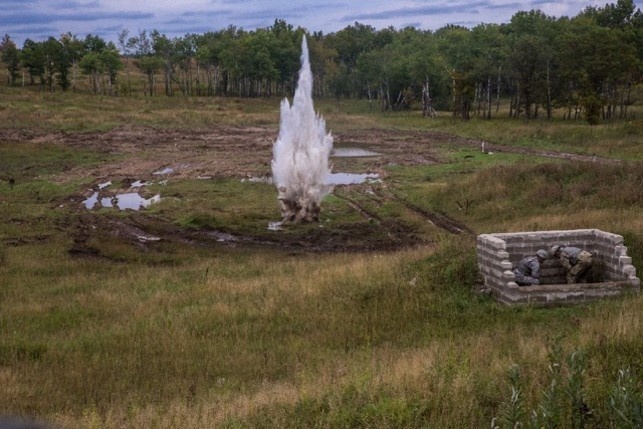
(398, 232)
(368, 214)
(440, 220)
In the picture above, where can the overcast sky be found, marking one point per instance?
(39, 19)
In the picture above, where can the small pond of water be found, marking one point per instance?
(331, 179)
(351, 152)
(166, 170)
(275, 226)
(351, 178)
(124, 201)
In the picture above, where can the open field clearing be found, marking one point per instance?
(193, 309)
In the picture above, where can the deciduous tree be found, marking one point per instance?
(10, 57)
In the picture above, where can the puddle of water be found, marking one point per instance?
(262, 179)
(133, 201)
(332, 179)
(106, 202)
(352, 152)
(166, 170)
(275, 226)
(91, 201)
(147, 238)
(127, 201)
(222, 236)
(351, 178)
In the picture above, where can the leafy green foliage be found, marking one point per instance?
(589, 65)
(562, 400)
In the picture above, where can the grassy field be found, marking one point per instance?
(174, 335)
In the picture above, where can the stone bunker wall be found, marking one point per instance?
(498, 254)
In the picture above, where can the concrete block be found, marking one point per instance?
(608, 237)
(629, 270)
(508, 276)
(620, 250)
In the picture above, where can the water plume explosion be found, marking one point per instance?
(300, 163)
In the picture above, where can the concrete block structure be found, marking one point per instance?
(498, 254)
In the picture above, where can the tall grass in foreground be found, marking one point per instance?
(249, 339)
(563, 403)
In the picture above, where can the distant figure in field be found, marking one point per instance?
(576, 261)
(527, 271)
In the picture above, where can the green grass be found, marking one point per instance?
(30, 159)
(175, 335)
(612, 139)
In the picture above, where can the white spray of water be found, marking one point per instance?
(300, 163)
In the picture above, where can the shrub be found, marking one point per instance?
(562, 400)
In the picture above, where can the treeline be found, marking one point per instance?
(587, 65)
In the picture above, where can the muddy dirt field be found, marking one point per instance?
(146, 154)
(220, 152)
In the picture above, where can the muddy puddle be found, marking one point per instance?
(351, 178)
(121, 201)
(332, 179)
(275, 226)
(164, 171)
(125, 201)
(352, 152)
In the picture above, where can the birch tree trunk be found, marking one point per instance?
(548, 90)
(488, 97)
(498, 90)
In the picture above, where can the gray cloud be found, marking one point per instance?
(32, 32)
(33, 18)
(46, 18)
(506, 6)
(419, 11)
(207, 13)
(9, 4)
(72, 5)
(537, 3)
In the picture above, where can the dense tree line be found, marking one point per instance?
(587, 65)
(57, 62)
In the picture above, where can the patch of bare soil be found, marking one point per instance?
(148, 154)
(214, 152)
